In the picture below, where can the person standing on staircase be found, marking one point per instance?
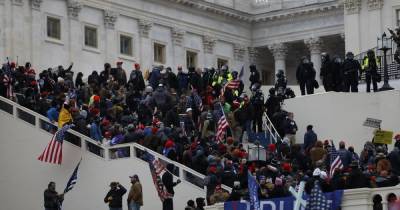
(168, 181)
(351, 68)
(370, 66)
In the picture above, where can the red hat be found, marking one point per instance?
(12, 65)
(44, 94)
(286, 167)
(95, 111)
(31, 71)
(397, 137)
(96, 98)
(271, 147)
(105, 122)
(137, 66)
(169, 143)
(119, 62)
(212, 169)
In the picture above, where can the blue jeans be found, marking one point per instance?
(134, 206)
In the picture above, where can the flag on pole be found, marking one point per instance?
(233, 84)
(317, 200)
(253, 192)
(336, 162)
(72, 181)
(157, 169)
(53, 151)
(222, 125)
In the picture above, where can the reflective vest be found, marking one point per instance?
(365, 63)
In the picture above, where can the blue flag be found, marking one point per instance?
(253, 192)
(72, 181)
(317, 200)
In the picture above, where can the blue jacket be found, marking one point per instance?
(346, 157)
(52, 114)
(155, 77)
(183, 80)
(95, 132)
(309, 139)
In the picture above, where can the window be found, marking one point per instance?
(191, 59)
(126, 45)
(159, 53)
(221, 62)
(91, 36)
(54, 28)
(398, 17)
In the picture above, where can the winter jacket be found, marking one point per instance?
(394, 158)
(345, 157)
(155, 77)
(52, 114)
(52, 200)
(64, 117)
(116, 195)
(183, 80)
(305, 73)
(136, 194)
(309, 139)
(136, 80)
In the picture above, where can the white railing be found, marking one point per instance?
(354, 199)
(92, 147)
(272, 132)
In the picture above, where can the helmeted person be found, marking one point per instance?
(337, 68)
(351, 68)
(254, 75)
(327, 73)
(257, 100)
(370, 67)
(306, 76)
(280, 84)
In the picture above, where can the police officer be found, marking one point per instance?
(327, 74)
(257, 100)
(305, 75)
(370, 66)
(351, 68)
(280, 84)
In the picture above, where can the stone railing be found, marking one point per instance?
(90, 146)
(354, 199)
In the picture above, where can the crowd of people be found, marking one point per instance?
(200, 118)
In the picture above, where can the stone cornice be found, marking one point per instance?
(375, 4)
(74, 8)
(352, 6)
(279, 50)
(295, 13)
(314, 45)
(145, 27)
(35, 4)
(177, 36)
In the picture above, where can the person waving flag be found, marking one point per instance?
(53, 151)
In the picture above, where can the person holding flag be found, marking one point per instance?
(52, 200)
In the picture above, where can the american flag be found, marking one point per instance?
(157, 169)
(221, 126)
(233, 84)
(72, 181)
(336, 162)
(53, 151)
(317, 200)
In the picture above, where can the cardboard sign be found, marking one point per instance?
(373, 123)
(383, 137)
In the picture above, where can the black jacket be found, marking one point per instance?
(52, 200)
(168, 182)
(116, 195)
(305, 73)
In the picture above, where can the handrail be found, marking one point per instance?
(107, 149)
(271, 128)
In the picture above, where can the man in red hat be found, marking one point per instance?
(136, 81)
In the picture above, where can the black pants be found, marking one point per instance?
(371, 78)
(257, 122)
(168, 204)
(306, 85)
(350, 84)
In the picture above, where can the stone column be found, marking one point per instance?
(238, 54)
(19, 47)
(209, 44)
(75, 40)
(279, 51)
(179, 53)
(110, 18)
(146, 47)
(352, 18)
(314, 45)
(2, 32)
(36, 33)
